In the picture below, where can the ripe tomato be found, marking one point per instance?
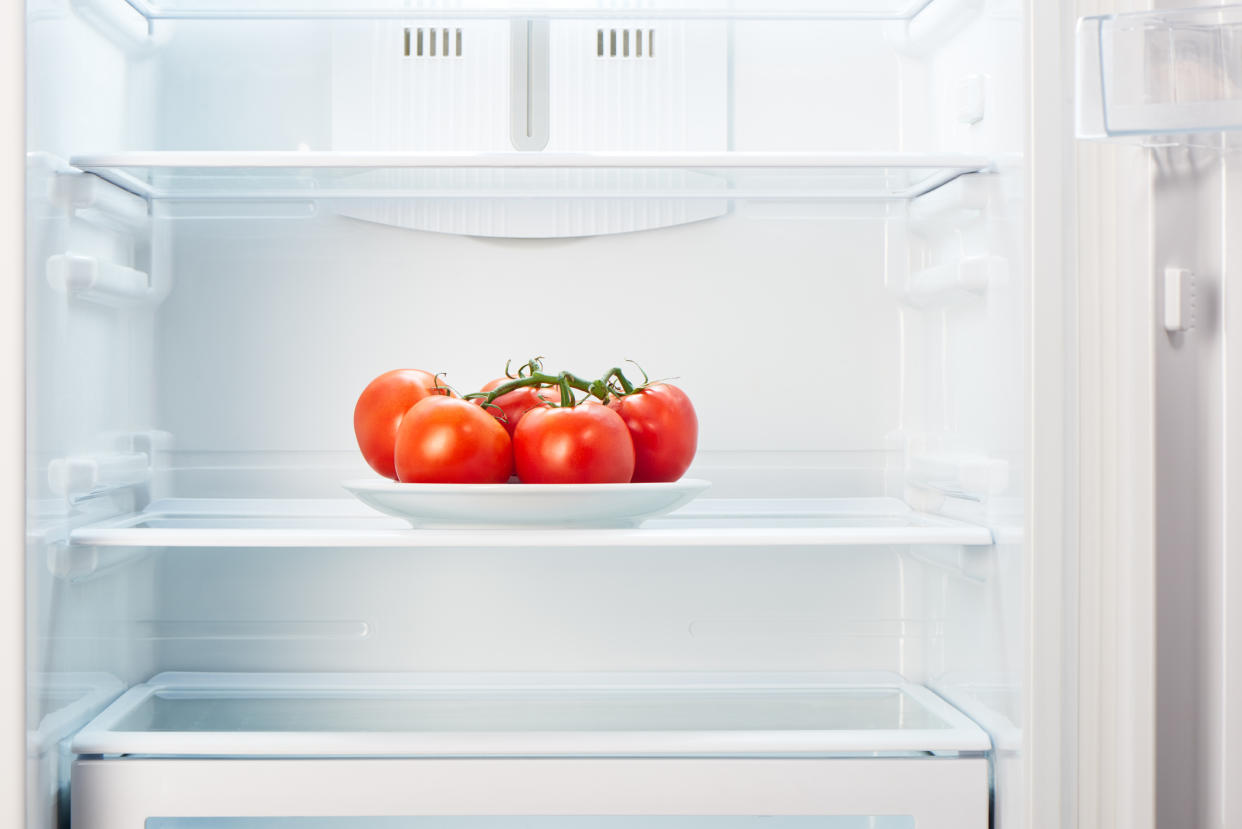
(573, 445)
(512, 405)
(664, 428)
(380, 408)
(445, 440)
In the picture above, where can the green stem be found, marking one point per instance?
(615, 372)
(565, 381)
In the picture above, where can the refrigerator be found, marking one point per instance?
(947, 284)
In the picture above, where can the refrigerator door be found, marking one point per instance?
(13, 724)
(1158, 93)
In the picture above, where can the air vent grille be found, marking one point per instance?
(625, 43)
(427, 42)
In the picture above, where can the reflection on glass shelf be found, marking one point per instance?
(705, 522)
(528, 715)
(467, 9)
(513, 711)
(547, 822)
(421, 176)
(1154, 72)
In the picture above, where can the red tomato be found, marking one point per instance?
(380, 408)
(518, 402)
(445, 440)
(664, 428)
(573, 445)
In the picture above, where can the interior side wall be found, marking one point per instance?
(89, 389)
(90, 367)
(973, 353)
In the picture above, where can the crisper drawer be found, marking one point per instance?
(503, 751)
(836, 793)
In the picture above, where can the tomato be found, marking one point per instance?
(380, 408)
(664, 428)
(445, 440)
(512, 405)
(573, 445)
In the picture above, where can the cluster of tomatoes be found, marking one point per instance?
(545, 428)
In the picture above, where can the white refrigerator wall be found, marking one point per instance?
(819, 363)
(87, 387)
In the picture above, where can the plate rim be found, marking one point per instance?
(390, 486)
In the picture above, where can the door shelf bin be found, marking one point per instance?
(238, 745)
(1160, 72)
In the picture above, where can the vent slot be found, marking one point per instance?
(427, 42)
(625, 43)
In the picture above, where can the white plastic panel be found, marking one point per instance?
(187, 715)
(531, 85)
(1166, 71)
(939, 793)
(548, 218)
(607, 86)
(393, 87)
(277, 85)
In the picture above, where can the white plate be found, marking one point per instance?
(525, 505)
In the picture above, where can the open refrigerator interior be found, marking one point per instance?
(810, 213)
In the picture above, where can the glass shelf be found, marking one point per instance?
(444, 715)
(284, 176)
(580, 9)
(544, 822)
(1160, 72)
(760, 523)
